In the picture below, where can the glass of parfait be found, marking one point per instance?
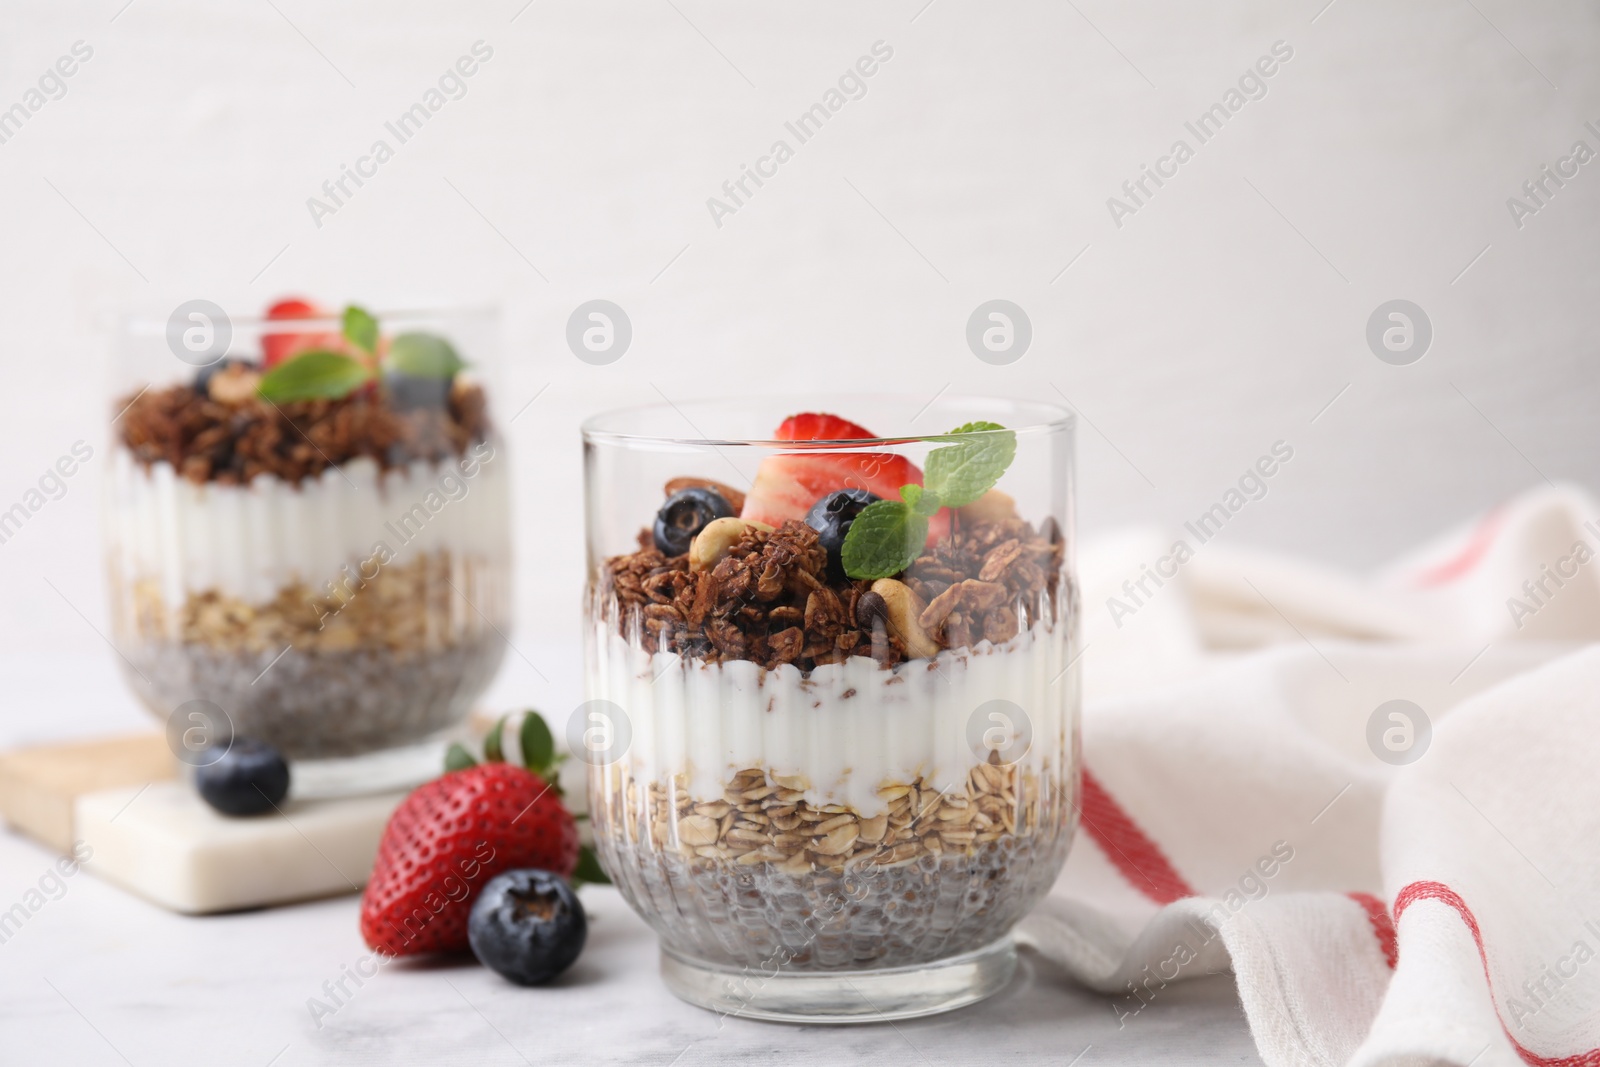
(308, 532)
(832, 714)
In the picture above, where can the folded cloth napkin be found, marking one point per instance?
(1380, 806)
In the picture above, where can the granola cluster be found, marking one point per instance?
(770, 599)
(230, 443)
(978, 580)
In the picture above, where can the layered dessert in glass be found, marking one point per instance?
(843, 760)
(311, 532)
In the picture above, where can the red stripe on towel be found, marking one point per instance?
(1468, 558)
(1130, 849)
(1382, 925)
(1445, 895)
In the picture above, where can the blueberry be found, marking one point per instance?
(251, 778)
(203, 376)
(685, 514)
(527, 926)
(831, 518)
(408, 391)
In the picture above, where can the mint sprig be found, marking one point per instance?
(315, 375)
(885, 537)
(889, 535)
(423, 355)
(968, 469)
(361, 329)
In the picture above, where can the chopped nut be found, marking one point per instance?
(233, 385)
(904, 609)
(993, 506)
(712, 543)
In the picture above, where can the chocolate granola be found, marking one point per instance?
(770, 599)
(231, 442)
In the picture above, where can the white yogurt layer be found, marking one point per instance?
(849, 727)
(251, 541)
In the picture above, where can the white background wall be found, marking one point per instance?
(1222, 317)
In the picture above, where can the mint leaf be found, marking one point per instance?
(884, 539)
(538, 747)
(458, 758)
(423, 355)
(889, 535)
(963, 472)
(922, 501)
(315, 375)
(361, 329)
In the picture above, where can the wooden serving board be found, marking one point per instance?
(40, 785)
(119, 801)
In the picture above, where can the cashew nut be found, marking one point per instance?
(904, 608)
(233, 385)
(716, 538)
(993, 506)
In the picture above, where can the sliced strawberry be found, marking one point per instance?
(788, 484)
(815, 426)
(294, 308)
(277, 347)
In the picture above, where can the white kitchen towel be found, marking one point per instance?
(1380, 806)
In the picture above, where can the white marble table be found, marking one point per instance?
(100, 977)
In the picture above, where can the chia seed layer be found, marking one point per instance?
(316, 703)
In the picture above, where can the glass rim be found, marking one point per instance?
(1049, 418)
(149, 324)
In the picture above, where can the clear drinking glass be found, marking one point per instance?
(327, 575)
(832, 798)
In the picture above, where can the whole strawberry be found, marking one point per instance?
(452, 835)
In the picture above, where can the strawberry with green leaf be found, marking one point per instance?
(452, 835)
